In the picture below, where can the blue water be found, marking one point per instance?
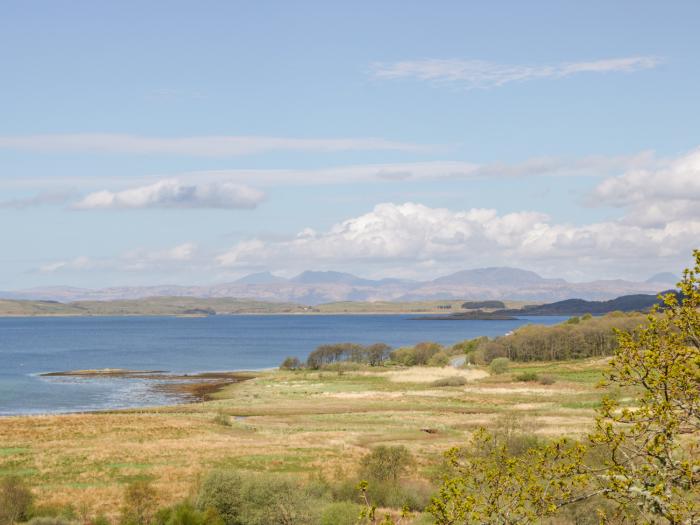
(32, 345)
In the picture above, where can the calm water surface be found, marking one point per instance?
(32, 345)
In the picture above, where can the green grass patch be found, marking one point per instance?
(11, 451)
(297, 461)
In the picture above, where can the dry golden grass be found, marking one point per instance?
(303, 422)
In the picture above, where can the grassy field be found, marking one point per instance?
(296, 422)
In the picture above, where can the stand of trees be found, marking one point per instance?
(373, 355)
(578, 338)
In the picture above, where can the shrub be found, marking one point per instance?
(469, 345)
(221, 491)
(405, 356)
(291, 363)
(340, 513)
(499, 365)
(186, 514)
(386, 463)
(15, 500)
(139, 503)
(527, 377)
(439, 359)
(421, 354)
(254, 500)
(393, 494)
(222, 419)
(450, 381)
(547, 380)
(425, 351)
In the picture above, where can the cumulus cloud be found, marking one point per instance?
(171, 193)
(653, 197)
(413, 234)
(214, 146)
(483, 74)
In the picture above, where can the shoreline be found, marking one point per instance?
(185, 388)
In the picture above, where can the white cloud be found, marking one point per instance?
(587, 166)
(591, 166)
(78, 263)
(214, 146)
(653, 197)
(483, 74)
(134, 260)
(410, 235)
(171, 193)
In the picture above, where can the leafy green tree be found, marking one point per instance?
(491, 485)
(377, 353)
(653, 454)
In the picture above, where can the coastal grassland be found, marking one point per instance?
(184, 306)
(302, 422)
(443, 307)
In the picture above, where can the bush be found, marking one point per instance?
(222, 419)
(469, 345)
(421, 354)
(450, 381)
(139, 503)
(404, 356)
(386, 463)
(527, 377)
(222, 491)
(340, 513)
(15, 500)
(186, 514)
(547, 380)
(413, 495)
(499, 365)
(291, 363)
(254, 500)
(439, 359)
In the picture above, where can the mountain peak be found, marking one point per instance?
(501, 275)
(663, 277)
(260, 278)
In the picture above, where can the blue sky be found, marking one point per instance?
(182, 142)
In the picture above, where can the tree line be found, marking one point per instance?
(579, 337)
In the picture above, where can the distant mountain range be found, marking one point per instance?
(317, 287)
